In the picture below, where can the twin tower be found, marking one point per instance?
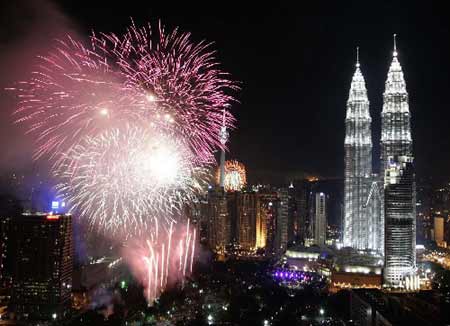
(379, 212)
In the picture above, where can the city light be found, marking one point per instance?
(132, 131)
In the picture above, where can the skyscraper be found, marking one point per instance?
(362, 226)
(438, 231)
(396, 137)
(398, 171)
(320, 219)
(400, 214)
(42, 246)
(218, 224)
(247, 219)
(293, 214)
(281, 238)
(223, 140)
(267, 220)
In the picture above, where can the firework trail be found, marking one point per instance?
(131, 123)
(162, 78)
(70, 95)
(179, 77)
(162, 261)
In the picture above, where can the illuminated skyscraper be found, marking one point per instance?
(281, 238)
(396, 137)
(438, 231)
(218, 223)
(400, 214)
(223, 140)
(362, 225)
(266, 220)
(399, 185)
(320, 219)
(42, 247)
(247, 219)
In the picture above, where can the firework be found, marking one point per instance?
(122, 179)
(179, 78)
(131, 123)
(162, 78)
(166, 257)
(73, 93)
(235, 176)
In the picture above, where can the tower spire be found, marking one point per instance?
(223, 139)
(357, 57)
(395, 45)
(358, 225)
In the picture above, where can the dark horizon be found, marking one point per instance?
(294, 65)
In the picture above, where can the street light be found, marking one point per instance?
(210, 319)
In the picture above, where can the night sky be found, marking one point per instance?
(294, 63)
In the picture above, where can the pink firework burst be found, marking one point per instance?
(162, 78)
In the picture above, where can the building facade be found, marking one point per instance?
(42, 271)
(438, 231)
(399, 179)
(320, 219)
(267, 220)
(218, 220)
(247, 218)
(282, 220)
(379, 209)
(400, 215)
(363, 227)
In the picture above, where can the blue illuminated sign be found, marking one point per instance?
(55, 204)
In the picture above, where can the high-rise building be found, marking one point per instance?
(246, 220)
(400, 223)
(5, 248)
(262, 218)
(218, 221)
(396, 137)
(266, 220)
(362, 221)
(299, 204)
(399, 179)
(223, 140)
(320, 219)
(438, 231)
(281, 238)
(293, 214)
(42, 247)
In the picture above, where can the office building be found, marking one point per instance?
(42, 247)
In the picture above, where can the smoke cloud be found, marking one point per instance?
(27, 29)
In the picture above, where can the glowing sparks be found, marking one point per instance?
(163, 260)
(104, 112)
(235, 176)
(122, 179)
(131, 123)
(162, 78)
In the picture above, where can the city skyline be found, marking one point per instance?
(321, 70)
(224, 164)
